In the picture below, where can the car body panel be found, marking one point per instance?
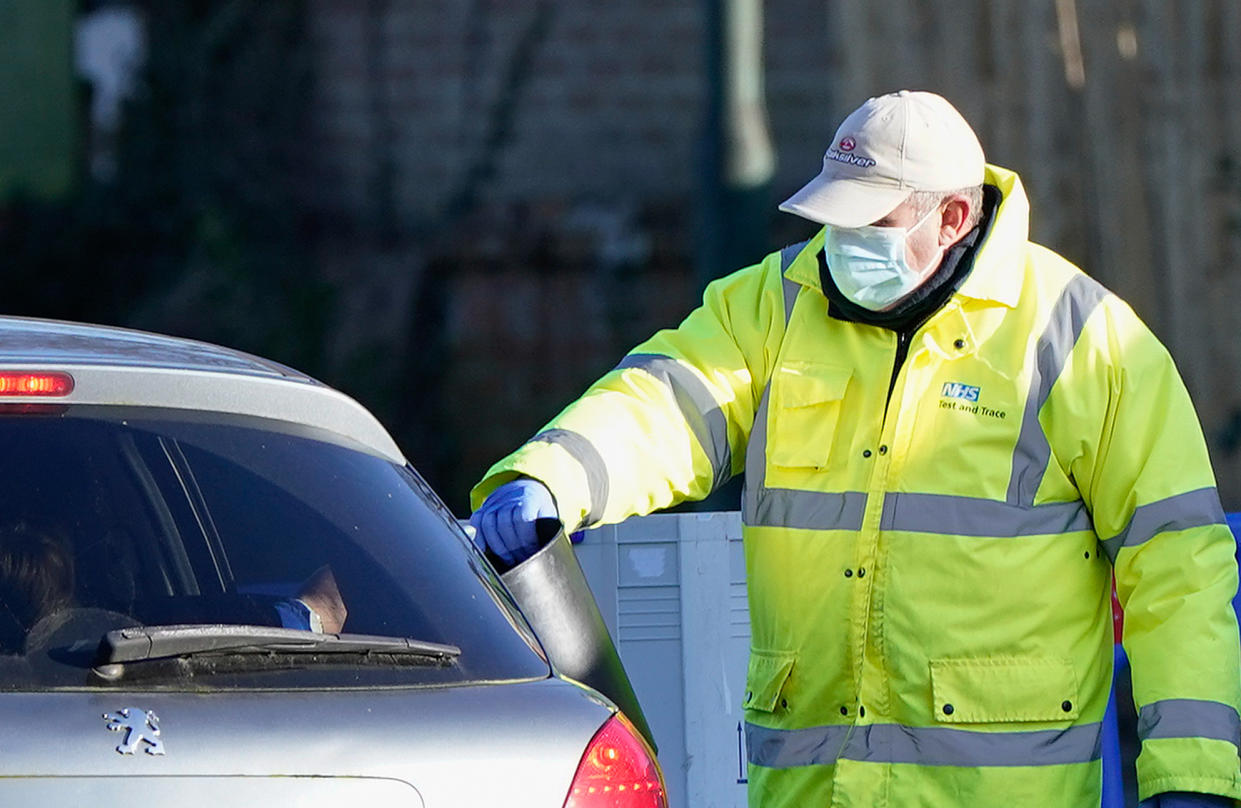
(203, 792)
(512, 744)
(66, 343)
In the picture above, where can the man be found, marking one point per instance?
(951, 439)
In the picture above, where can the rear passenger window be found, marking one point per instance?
(116, 517)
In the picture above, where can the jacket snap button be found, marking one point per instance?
(848, 573)
(866, 453)
(1066, 706)
(861, 573)
(883, 450)
(844, 710)
(861, 711)
(959, 344)
(784, 703)
(948, 709)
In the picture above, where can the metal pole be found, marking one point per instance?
(737, 157)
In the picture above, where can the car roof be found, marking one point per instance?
(27, 339)
(124, 367)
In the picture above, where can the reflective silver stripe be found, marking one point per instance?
(1191, 509)
(1068, 317)
(812, 510)
(755, 462)
(1189, 718)
(698, 407)
(584, 452)
(785, 748)
(789, 254)
(791, 288)
(923, 746)
(969, 516)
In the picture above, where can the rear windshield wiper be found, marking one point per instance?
(142, 643)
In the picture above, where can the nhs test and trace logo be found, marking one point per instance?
(963, 392)
(963, 398)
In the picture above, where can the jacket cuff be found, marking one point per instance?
(1202, 765)
(555, 467)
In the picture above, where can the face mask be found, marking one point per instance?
(868, 263)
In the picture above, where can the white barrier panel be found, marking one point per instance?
(671, 588)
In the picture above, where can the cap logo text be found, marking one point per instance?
(845, 157)
(847, 144)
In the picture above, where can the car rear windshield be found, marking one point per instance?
(123, 518)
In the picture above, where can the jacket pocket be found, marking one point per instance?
(807, 400)
(991, 689)
(765, 679)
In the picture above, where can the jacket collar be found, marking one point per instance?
(996, 276)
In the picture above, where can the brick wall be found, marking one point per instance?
(608, 103)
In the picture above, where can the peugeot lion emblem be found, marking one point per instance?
(141, 728)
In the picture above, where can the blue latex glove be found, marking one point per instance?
(1185, 799)
(505, 521)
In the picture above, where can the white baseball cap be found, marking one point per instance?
(885, 150)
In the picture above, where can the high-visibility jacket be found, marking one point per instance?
(929, 558)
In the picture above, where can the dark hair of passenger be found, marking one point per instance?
(36, 579)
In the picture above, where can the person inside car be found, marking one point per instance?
(38, 608)
(36, 580)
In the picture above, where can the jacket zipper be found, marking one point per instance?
(903, 338)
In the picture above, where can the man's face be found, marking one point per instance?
(922, 246)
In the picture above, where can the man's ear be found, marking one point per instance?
(952, 226)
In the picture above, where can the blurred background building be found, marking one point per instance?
(463, 211)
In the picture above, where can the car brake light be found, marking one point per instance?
(618, 770)
(43, 383)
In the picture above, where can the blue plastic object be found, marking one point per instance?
(1113, 775)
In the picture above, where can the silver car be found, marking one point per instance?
(222, 584)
